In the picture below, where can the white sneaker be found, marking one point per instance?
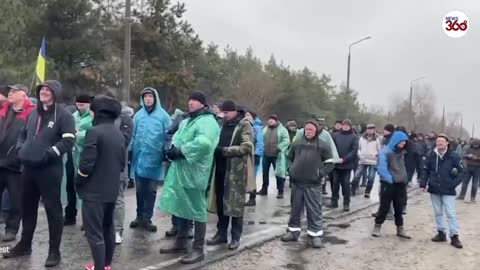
(118, 238)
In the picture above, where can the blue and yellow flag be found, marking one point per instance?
(41, 64)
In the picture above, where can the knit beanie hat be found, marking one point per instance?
(199, 96)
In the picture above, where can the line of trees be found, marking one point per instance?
(85, 47)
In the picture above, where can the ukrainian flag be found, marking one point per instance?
(41, 64)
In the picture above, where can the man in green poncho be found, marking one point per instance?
(185, 191)
(83, 122)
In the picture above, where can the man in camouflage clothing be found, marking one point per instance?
(234, 174)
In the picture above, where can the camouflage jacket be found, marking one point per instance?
(240, 171)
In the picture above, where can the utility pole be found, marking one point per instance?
(473, 131)
(126, 53)
(443, 119)
(413, 125)
(461, 127)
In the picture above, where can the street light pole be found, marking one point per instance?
(126, 53)
(349, 57)
(413, 125)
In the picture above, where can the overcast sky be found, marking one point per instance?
(407, 42)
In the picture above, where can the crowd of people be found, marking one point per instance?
(207, 160)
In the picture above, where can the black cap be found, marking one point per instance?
(228, 106)
(83, 98)
(199, 96)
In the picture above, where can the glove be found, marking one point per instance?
(80, 181)
(218, 151)
(174, 153)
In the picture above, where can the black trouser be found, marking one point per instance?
(183, 226)
(224, 221)
(12, 182)
(267, 162)
(391, 193)
(411, 166)
(99, 231)
(341, 178)
(71, 208)
(44, 182)
(474, 174)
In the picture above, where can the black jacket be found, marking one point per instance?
(347, 148)
(442, 174)
(47, 134)
(104, 154)
(308, 161)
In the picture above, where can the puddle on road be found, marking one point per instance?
(328, 238)
(294, 266)
(340, 225)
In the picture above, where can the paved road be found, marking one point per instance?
(348, 245)
(141, 249)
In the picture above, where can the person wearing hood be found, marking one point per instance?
(292, 129)
(369, 147)
(177, 118)
(311, 160)
(442, 173)
(393, 179)
(151, 124)
(104, 147)
(276, 141)
(185, 192)
(48, 134)
(83, 122)
(259, 149)
(233, 165)
(347, 146)
(326, 137)
(472, 171)
(124, 123)
(13, 116)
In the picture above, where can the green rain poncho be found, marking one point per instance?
(184, 193)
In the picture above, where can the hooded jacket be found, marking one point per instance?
(474, 149)
(311, 161)
(11, 123)
(442, 173)
(83, 122)
(103, 157)
(184, 193)
(258, 137)
(48, 134)
(391, 162)
(148, 140)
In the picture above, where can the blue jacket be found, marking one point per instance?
(391, 163)
(258, 132)
(442, 174)
(148, 139)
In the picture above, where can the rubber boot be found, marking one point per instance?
(196, 255)
(181, 245)
(376, 230)
(401, 233)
